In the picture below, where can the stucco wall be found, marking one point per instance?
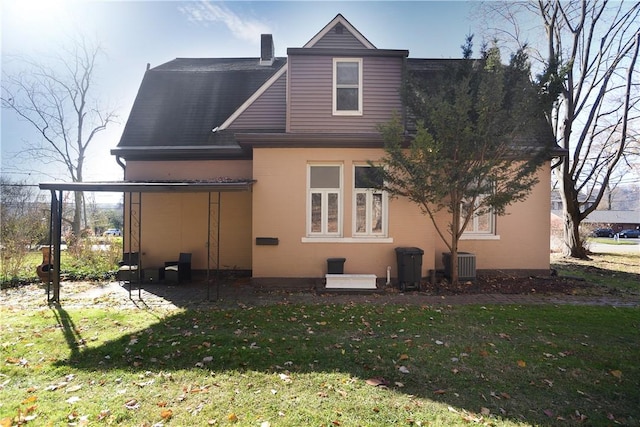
(524, 234)
(188, 170)
(279, 203)
(179, 222)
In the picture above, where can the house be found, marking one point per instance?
(616, 220)
(263, 161)
(557, 204)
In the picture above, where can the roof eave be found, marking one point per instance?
(182, 153)
(309, 140)
(150, 186)
(347, 52)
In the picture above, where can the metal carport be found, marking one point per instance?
(131, 188)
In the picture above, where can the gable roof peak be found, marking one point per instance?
(340, 23)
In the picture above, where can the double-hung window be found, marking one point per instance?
(369, 204)
(481, 225)
(347, 86)
(324, 203)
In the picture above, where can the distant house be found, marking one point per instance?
(556, 201)
(269, 155)
(616, 220)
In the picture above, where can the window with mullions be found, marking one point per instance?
(347, 86)
(482, 224)
(370, 204)
(324, 200)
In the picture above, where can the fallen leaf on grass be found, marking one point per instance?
(616, 373)
(403, 369)
(522, 363)
(131, 404)
(485, 411)
(286, 378)
(166, 414)
(73, 399)
(30, 399)
(439, 391)
(232, 417)
(377, 382)
(103, 414)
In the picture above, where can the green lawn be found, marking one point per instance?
(616, 272)
(292, 365)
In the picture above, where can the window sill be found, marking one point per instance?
(347, 113)
(347, 240)
(480, 237)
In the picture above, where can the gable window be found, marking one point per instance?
(324, 205)
(369, 205)
(347, 86)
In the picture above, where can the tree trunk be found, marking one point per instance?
(573, 244)
(455, 227)
(571, 215)
(454, 264)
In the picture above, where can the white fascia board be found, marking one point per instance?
(262, 89)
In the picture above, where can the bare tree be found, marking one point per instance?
(55, 96)
(589, 53)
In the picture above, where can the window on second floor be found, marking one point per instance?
(347, 86)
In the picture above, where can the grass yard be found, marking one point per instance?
(322, 365)
(614, 271)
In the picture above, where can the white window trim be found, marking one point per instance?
(369, 192)
(471, 234)
(316, 235)
(337, 112)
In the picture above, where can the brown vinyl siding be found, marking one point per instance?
(268, 111)
(310, 94)
(346, 40)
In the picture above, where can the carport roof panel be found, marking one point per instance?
(151, 186)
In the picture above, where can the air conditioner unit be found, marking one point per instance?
(466, 265)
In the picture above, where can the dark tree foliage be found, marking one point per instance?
(479, 141)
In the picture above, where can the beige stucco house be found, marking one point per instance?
(274, 150)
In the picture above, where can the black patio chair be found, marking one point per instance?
(128, 267)
(178, 271)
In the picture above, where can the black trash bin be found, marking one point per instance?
(335, 265)
(409, 267)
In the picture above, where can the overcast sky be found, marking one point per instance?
(135, 33)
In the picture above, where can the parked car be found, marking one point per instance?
(112, 232)
(603, 232)
(629, 233)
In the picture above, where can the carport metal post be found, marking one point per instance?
(217, 238)
(139, 238)
(55, 232)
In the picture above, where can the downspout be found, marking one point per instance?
(122, 165)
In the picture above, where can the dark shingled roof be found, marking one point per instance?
(180, 102)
